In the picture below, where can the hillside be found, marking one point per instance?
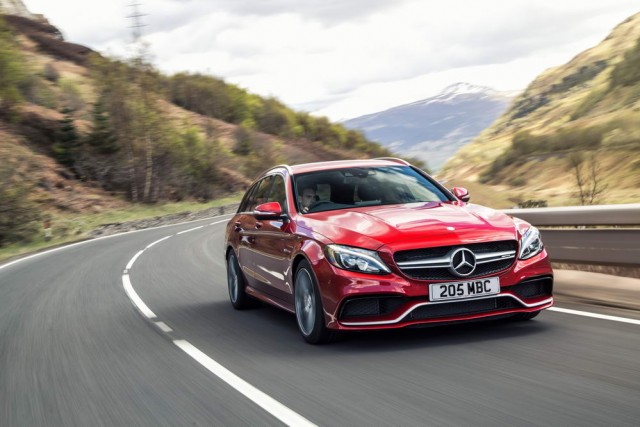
(81, 133)
(582, 116)
(433, 129)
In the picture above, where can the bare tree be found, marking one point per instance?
(589, 182)
(596, 187)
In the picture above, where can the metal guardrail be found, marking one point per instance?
(581, 215)
(603, 246)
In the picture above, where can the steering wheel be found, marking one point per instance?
(316, 204)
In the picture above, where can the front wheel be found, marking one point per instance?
(236, 284)
(308, 305)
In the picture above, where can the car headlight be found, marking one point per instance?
(530, 243)
(355, 259)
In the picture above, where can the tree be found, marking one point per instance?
(101, 139)
(588, 176)
(66, 146)
(131, 97)
(11, 71)
(243, 145)
(273, 117)
(18, 216)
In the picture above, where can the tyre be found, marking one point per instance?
(308, 306)
(525, 316)
(236, 284)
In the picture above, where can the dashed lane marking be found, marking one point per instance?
(266, 402)
(595, 315)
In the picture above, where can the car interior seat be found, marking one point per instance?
(342, 193)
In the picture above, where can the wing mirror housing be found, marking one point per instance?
(461, 193)
(269, 210)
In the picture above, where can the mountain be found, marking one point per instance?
(575, 129)
(433, 129)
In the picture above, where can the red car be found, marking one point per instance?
(376, 244)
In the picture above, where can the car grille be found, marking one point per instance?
(533, 288)
(460, 308)
(434, 263)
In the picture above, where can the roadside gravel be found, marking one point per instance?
(140, 224)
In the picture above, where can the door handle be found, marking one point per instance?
(258, 224)
(236, 226)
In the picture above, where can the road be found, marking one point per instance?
(74, 351)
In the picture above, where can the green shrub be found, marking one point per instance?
(532, 204)
(51, 73)
(18, 215)
(627, 71)
(71, 97)
(36, 90)
(582, 75)
(11, 71)
(517, 181)
(588, 103)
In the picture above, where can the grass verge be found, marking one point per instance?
(67, 228)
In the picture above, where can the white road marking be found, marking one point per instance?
(191, 229)
(163, 327)
(269, 404)
(132, 260)
(595, 315)
(158, 241)
(71, 245)
(218, 222)
(261, 399)
(135, 299)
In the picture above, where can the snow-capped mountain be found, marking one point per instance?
(433, 129)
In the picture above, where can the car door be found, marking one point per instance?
(246, 227)
(273, 246)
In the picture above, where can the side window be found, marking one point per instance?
(247, 198)
(278, 192)
(259, 196)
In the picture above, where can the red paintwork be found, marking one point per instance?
(268, 249)
(406, 226)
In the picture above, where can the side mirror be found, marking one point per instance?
(461, 193)
(270, 210)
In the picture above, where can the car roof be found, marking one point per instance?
(338, 164)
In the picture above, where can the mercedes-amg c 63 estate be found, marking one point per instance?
(374, 244)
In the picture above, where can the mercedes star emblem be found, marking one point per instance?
(463, 262)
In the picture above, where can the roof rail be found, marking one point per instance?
(283, 166)
(394, 159)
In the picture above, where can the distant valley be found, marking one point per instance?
(433, 129)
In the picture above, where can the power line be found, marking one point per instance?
(136, 18)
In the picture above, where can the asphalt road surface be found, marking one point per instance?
(75, 351)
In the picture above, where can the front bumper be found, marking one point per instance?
(355, 301)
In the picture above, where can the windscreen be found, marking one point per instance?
(364, 186)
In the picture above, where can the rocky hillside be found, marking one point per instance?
(576, 122)
(88, 124)
(433, 129)
(82, 133)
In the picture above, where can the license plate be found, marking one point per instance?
(468, 289)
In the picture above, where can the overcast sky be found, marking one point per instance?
(346, 58)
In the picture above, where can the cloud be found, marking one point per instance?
(315, 54)
(326, 12)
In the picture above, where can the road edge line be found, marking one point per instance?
(260, 398)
